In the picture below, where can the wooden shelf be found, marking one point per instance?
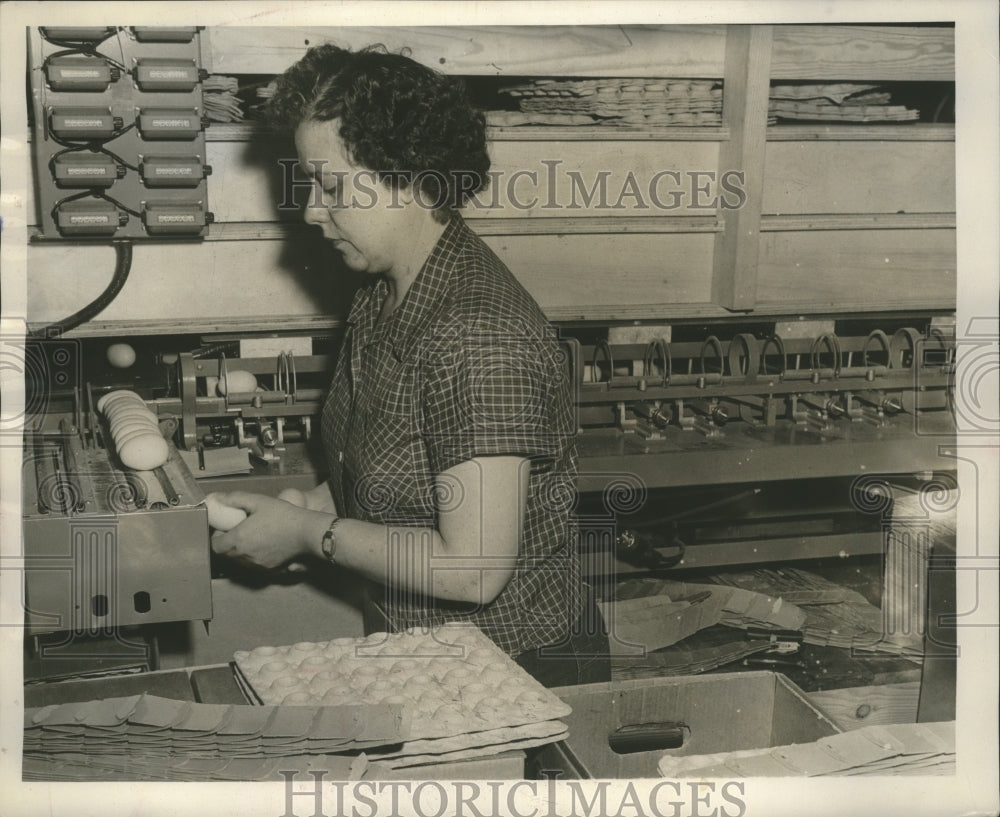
(858, 221)
(863, 53)
(581, 225)
(901, 132)
(251, 131)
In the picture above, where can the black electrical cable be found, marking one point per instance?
(123, 265)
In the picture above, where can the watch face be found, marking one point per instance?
(329, 543)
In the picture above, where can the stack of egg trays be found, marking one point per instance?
(147, 725)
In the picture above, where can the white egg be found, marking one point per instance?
(125, 408)
(125, 426)
(124, 437)
(144, 452)
(121, 355)
(221, 516)
(114, 396)
(237, 381)
(114, 411)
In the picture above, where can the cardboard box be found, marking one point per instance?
(709, 713)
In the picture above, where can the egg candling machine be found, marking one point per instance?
(115, 528)
(748, 443)
(712, 428)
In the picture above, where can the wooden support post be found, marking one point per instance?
(746, 86)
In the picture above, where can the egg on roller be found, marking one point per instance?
(237, 381)
(124, 438)
(144, 452)
(125, 403)
(120, 355)
(222, 516)
(122, 424)
(113, 397)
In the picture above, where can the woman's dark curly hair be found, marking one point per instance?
(398, 118)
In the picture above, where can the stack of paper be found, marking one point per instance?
(839, 102)
(161, 737)
(631, 102)
(219, 94)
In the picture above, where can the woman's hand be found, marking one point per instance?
(316, 499)
(274, 532)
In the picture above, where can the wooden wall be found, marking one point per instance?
(840, 218)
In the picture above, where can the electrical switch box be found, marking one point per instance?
(164, 34)
(90, 217)
(167, 75)
(173, 171)
(169, 123)
(86, 169)
(84, 123)
(175, 219)
(77, 34)
(118, 133)
(80, 74)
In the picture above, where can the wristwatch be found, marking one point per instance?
(329, 542)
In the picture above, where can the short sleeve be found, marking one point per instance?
(488, 393)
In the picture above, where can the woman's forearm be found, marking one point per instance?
(416, 560)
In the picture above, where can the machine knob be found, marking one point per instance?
(892, 406)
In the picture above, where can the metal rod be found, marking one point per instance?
(168, 489)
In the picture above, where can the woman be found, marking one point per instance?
(449, 429)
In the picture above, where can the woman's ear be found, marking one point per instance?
(404, 194)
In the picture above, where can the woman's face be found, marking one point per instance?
(365, 220)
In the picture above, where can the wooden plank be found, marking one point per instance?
(186, 281)
(218, 283)
(580, 225)
(531, 180)
(586, 271)
(582, 51)
(905, 132)
(852, 177)
(863, 53)
(744, 112)
(250, 131)
(602, 177)
(855, 707)
(855, 221)
(862, 269)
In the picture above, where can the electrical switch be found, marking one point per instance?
(163, 34)
(167, 75)
(86, 170)
(84, 123)
(176, 218)
(170, 123)
(80, 74)
(173, 171)
(91, 217)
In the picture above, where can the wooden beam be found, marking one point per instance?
(858, 221)
(515, 51)
(575, 225)
(854, 707)
(895, 132)
(864, 53)
(744, 111)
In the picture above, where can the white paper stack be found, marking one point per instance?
(631, 102)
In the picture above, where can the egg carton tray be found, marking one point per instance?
(452, 679)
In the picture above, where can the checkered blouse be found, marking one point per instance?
(466, 366)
